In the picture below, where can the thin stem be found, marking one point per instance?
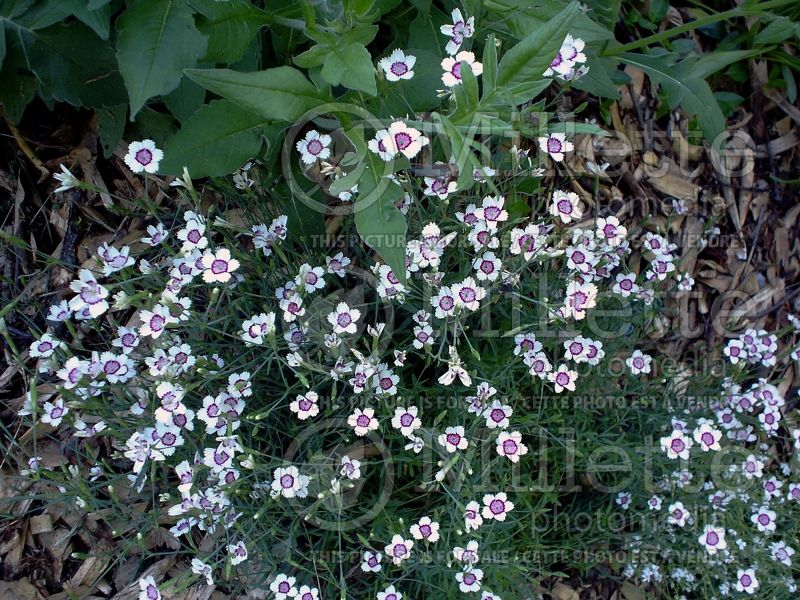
(723, 16)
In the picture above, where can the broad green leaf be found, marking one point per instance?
(313, 57)
(157, 41)
(185, 99)
(350, 66)
(99, 19)
(529, 59)
(683, 89)
(379, 222)
(18, 85)
(111, 126)
(778, 31)
(282, 93)
(598, 80)
(711, 62)
(95, 4)
(73, 65)
(230, 27)
(216, 140)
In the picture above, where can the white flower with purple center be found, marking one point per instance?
(764, 520)
(496, 506)
(472, 516)
(677, 514)
(707, 437)
(468, 555)
(155, 321)
(469, 580)
(538, 364)
(292, 307)
(753, 468)
(452, 68)
(468, 294)
(563, 378)
(218, 266)
(460, 30)
(314, 146)
(497, 415)
(746, 581)
(363, 421)
(398, 65)
(406, 420)
(453, 439)
(143, 156)
(638, 362)
(444, 303)
(59, 313)
(611, 231)
(677, 445)
(72, 372)
(344, 319)
(149, 589)
(53, 412)
(439, 188)
(44, 347)
(492, 211)
(350, 468)
(192, 234)
(407, 140)
(399, 549)
(425, 529)
(90, 294)
(311, 278)
(307, 593)
(487, 266)
(237, 552)
(305, 405)
(625, 285)
(371, 561)
(383, 145)
(337, 264)
(556, 145)
(782, 553)
(568, 57)
(510, 445)
(390, 593)
(423, 336)
(283, 587)
(565, 206)
(257, 327)
(289, 483)
(114, 259)
(624, 500)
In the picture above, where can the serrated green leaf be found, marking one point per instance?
(530, 58)
(230, 27)
(216, 140)
(157, 41)
(351, 66)
(379, 222)
(282, 93)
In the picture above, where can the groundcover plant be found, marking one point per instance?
(445, 387)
